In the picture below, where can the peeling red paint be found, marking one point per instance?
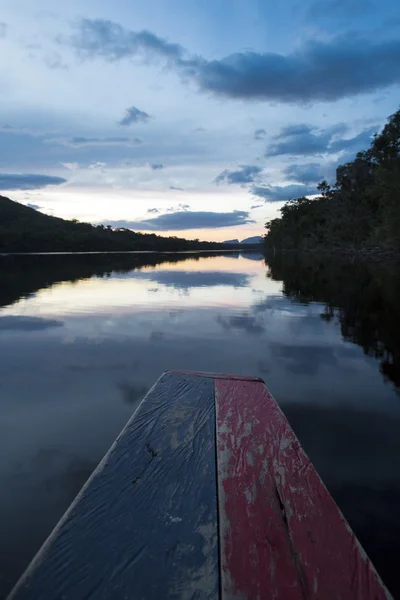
(281, 533)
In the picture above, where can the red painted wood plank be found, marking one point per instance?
(218, 375)
(281, 533)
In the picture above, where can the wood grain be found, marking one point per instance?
(145, 524)
(281, 533)
(220, 375)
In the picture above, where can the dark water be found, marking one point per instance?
(83, 337)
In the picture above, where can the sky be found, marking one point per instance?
(188, 118)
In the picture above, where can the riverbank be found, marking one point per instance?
(375, 253)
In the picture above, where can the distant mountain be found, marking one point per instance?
(257, 239)
(24, 229)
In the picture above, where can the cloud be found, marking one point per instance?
(102, 38)
(245, 174)
(318, 70)
(307, 173)
(71, 166)
(312, 172)
(108, 141)
(356, 143)
(134, 115)
(3, 29)
(305, 139)
(259, 134)
(277, 193)
(98, 165)
(180, 207)
(187, 220)
(174, 187)
(157, 166)
(54, 60)
(28, 181)
(301, 139)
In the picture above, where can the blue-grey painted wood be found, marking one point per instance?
(144, 526)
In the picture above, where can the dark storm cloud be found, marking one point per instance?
(277, 193)
(319, 70)
(28, 181)
(304, 139)
(134, 115)
(187, 220)
(85, 141)
(244, 174)
(259, 134)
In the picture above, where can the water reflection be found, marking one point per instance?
(17, 323)
(187, 280)
(83, 337)
(362, 297)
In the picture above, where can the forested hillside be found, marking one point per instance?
(360, 210)
(23, 229)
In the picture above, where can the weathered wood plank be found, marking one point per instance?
(220, 375)
(145, 524)
(281, 533)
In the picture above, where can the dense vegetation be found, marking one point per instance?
(23, 229)
(361, 210)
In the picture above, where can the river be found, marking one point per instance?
(82, 337)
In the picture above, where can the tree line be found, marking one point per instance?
(23, 229)
(361, 210)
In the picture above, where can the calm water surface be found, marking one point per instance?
(83, 337)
